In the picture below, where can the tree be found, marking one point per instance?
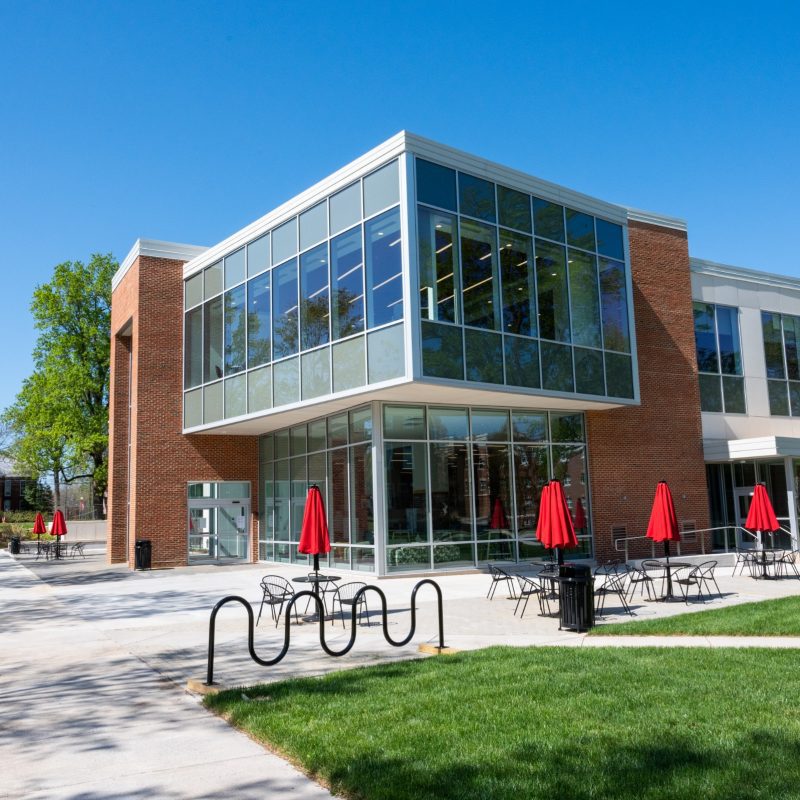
(60, 417)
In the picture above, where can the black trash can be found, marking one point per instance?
(13, 545)
(576, 606)
(144, 553)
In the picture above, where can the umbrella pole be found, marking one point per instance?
(559, 557)
(669, 571)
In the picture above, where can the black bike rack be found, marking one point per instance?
(321, 613)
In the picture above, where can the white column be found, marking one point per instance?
(788, 465)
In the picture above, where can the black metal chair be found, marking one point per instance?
(701, 577)
(276, 592)
(744, 558)
(643, 576)
(77, 550)
(323, 588)
(345, 595)
(614, 582)
(527, 589)
(499, 575)
(789, 561)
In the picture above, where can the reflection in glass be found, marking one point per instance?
(235, 330)
(492, 482)
(286, 381)
(710, 393)
(705, 338)
(609, 239)
(794, 395)
(532, 471)
(404, 422)
(448, 423)
(584, 299)
(259, 389)
(733, 392)
(566, 427)
(514, 209)
(773, 344)
(522, 362)
(479, 275)
(299, 488)
(589, 371)
(337, 430)
(282, 501)
(193, 347)
(349, 364)
(551, 279)
(519, 286)
(489, 425)
(476, 197)
(778, 398)
(451, 502)
(386, 354)
(442, 351)
(284, 310)
(614, 304)
(361, 425)
(258, 320)
(347, 279)
(338, 505)
(791, 334)
(484, 353)
(384, 269)
(316, 378)
(447, 556)
(212, 339)
(314, 312)
(580, 229)
(529, 427)
(438, 265)
(619, 378)
(363, 524)
(236, 396)
(557, 367)
(406, 490)
(548, 220)
(436, 185)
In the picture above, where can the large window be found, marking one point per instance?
(719, 358)
(549, 282)
(782, 356)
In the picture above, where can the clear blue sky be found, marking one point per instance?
(186, 121)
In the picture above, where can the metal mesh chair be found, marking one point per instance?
(345, 595)
(276, 591)
(527, 589)
(500, 576)
(701, 577)
(789, 561)
(744, 558)
(644, 576)
(614, 582)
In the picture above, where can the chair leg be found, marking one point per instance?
(516, 607)
(261, 608)
(366, 609)
(490, 595)
(525, 605)
(511, 588)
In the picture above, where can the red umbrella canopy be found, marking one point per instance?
(38, 524)
(663, 525)
(59, 526)
(554, 527)
(580, 516)
(314, 537)
(761, 516)
(498, 521)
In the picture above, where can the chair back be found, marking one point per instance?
(347, 591)
(526, 584)
(706, 569)
(277, 586)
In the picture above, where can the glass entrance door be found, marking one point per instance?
(742, 496)
(218, 521)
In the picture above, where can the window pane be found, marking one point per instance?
(609, 239)
(406, 492)
(282, 444)
(193, 290)
(778, 399)
(584, 299)
(484, 353)
(794, 396)
(403, 422)
(345, 208)
(451, 500)
(314, 312)
(791, 334)
(337, 430)
(548, 219)
(381, 189)
(259, 389)
(235, 330)
(236, 396)
(438, 265)
(514, 208)
(551, 277)
(284, 309)
(386, 354)
(522, 362)
(476, 197)
(407, 559)
(316, 373)
(212, 402)
(589, 371)
(299, 489)
(286, 380)
(619, 378)
(212, 280)
(284, 241)
(773, 344)
(212, 339)
(282, 500)
(448, 556)
(491, 426)
(258, 320)
(347, 277)
(532, 470)
(436, 185)
(580, 229)
(705, 337)
(529, 427)
(569, 467)
(519, 287)
(479, 275)
(234, 268)
(258, 255)
(193, 408)
(193, 348)
(733, 391)
(384, 270)
(314, 225)
(492, 481)
(566, 427)
(361, 425)
(362, 523)
(557, 367)
(614, 303)
(442, 351)
(349, 364)
(730, 352)
(710, 393)
(448, 423)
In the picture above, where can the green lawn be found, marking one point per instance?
(766, 618)
(555, 723)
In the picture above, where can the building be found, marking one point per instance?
(428, 337)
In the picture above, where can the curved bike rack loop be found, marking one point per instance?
(321, 612)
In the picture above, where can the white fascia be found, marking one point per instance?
(728, 272)
(155, 248)
(651, 218)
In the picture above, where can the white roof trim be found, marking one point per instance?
(651, 218)
(728, 272)
(154, 248)
(743, 449)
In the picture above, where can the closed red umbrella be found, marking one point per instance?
(663, 525)
(580, 516)
(314, 538)
(498, 520)
(39, 528)
(554, 528)
(761, 516)
(58, 529)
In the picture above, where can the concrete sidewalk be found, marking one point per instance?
(97, 658)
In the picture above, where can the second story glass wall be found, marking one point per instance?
(781, 339)
(719, 358)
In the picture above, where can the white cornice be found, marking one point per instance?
(651, 218)
(703, 267)
(155, 248)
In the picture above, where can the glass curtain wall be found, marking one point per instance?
(518, 290)
(719, 358)
(782, 355)
(312, 307)
(463, 485)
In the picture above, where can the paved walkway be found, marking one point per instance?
(95, 661)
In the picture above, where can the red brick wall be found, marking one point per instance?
(632, 448)
(163, 460)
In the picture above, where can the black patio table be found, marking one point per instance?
(774, 554)
(669, 567)
(316, 580)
